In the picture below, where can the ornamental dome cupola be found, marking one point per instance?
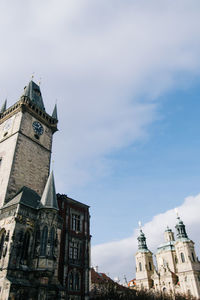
(180, 227)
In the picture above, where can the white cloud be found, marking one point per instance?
(106, 62)
(117, 258)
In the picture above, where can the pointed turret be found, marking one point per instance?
(32, 91)
(49, 198)
(3, 107)
(55, 114)
(180, 227)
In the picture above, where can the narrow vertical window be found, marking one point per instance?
(71, 281)
(182, 257)
(52, 237)
(44, 241)
(193, 258)
(2, 243)
(25, 248)
(150, 267)
(140, 266)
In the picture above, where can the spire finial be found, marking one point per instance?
(140, 225)
(32, 75)
(176, 212)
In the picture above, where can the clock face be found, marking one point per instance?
(38, 128)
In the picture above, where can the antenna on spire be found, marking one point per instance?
(176, 212)
(140, 225)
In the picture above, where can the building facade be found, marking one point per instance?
(177, 267)
(32, 223)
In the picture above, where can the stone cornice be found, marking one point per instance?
(25, 104)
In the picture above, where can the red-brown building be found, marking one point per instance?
(74, 260)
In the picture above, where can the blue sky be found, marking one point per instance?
(152, 175)
(126, 78)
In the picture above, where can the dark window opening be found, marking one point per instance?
(2, 243)
(182, 257)
(25, 247)
(140, 266)
(44, 241)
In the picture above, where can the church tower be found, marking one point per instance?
(144, 264)
(30, 225)
(188, 266)
(25, 144)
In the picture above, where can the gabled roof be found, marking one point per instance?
(25, 196)
(32, 91)
(49, 199)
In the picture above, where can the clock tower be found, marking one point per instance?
(26, 132)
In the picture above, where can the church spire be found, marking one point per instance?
(180, 227)
(32, 91)
(3, 107)
(141, 240)
(49, 198)
(55, 114)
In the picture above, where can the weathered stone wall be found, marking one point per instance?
(8, 140)
(31, 161)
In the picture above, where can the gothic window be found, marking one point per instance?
(52, 238)
(140, 266)
(193, 258)
(76, 222)
(150, 267)
(2, 239)
(182, 257)
(25, 247)
(74, 250)
(44, 241)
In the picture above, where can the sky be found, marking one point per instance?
(125, 76)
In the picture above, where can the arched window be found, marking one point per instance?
(71, 281)
(52, 238)
(44, 241)
(140, 266)
(182, 257)
(2, 242)
(77, 282)
(150, 267)
(25, 247)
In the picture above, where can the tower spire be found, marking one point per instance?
(180, 227)
(32, 91)
(142, 246)
(49, 198)
(55, 114)
(3, 107)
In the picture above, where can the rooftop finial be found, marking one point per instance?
(176, 211)
(140, 225)
(32, 75)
